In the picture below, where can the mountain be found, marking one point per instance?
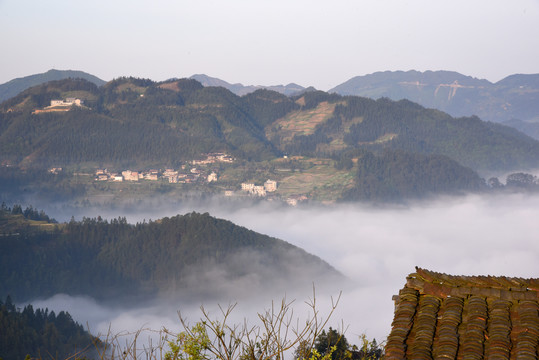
(240, 90)
(329, 123)
(184, 255)
(138, 121)
(131, 123)
(135, 122)
(15, 86)
(515, 97)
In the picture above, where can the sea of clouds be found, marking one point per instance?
(375, 247)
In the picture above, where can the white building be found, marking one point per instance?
(270, 185)
(247, 186)
(212, 176)
(67, 102)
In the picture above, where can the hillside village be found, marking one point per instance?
(187, 175)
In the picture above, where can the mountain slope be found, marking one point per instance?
(133, 122)
(15, 86)
(140, 123)
(184, 255)
(343, 123)
(516, 96)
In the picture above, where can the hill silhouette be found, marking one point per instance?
(15, 86)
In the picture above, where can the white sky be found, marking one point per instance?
(268, 42)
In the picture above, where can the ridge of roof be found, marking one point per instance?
(480, 281)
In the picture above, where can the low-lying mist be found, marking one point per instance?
(375, 247)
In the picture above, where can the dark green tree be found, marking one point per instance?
(332, 338)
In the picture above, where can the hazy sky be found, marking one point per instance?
(268, 42)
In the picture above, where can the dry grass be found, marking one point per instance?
(173, 86)
(301, 122)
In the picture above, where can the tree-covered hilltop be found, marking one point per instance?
(41, 334)
(396, 174)
(186, 254)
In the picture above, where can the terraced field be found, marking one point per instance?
(320, 181)
(301, 122)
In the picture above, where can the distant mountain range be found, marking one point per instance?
(139, 123)
(240, 90)
(181, 119)
(15, 86)
(515, 97)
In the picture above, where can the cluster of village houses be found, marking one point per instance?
(193, 175)
(171, 175)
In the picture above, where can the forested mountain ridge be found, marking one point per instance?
(239, 89)
(134, 121)
(139, 124)
(514, 97)
(183, 255)
(129, 122)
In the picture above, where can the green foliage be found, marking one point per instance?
(370, 350)
(333, 344)
(191, 345)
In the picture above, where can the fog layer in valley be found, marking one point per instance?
(376, 248)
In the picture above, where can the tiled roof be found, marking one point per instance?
(439, 316)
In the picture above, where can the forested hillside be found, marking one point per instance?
(185, 255)
(136, 121)
(142, 124)
(41, 334)
(402, 175)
